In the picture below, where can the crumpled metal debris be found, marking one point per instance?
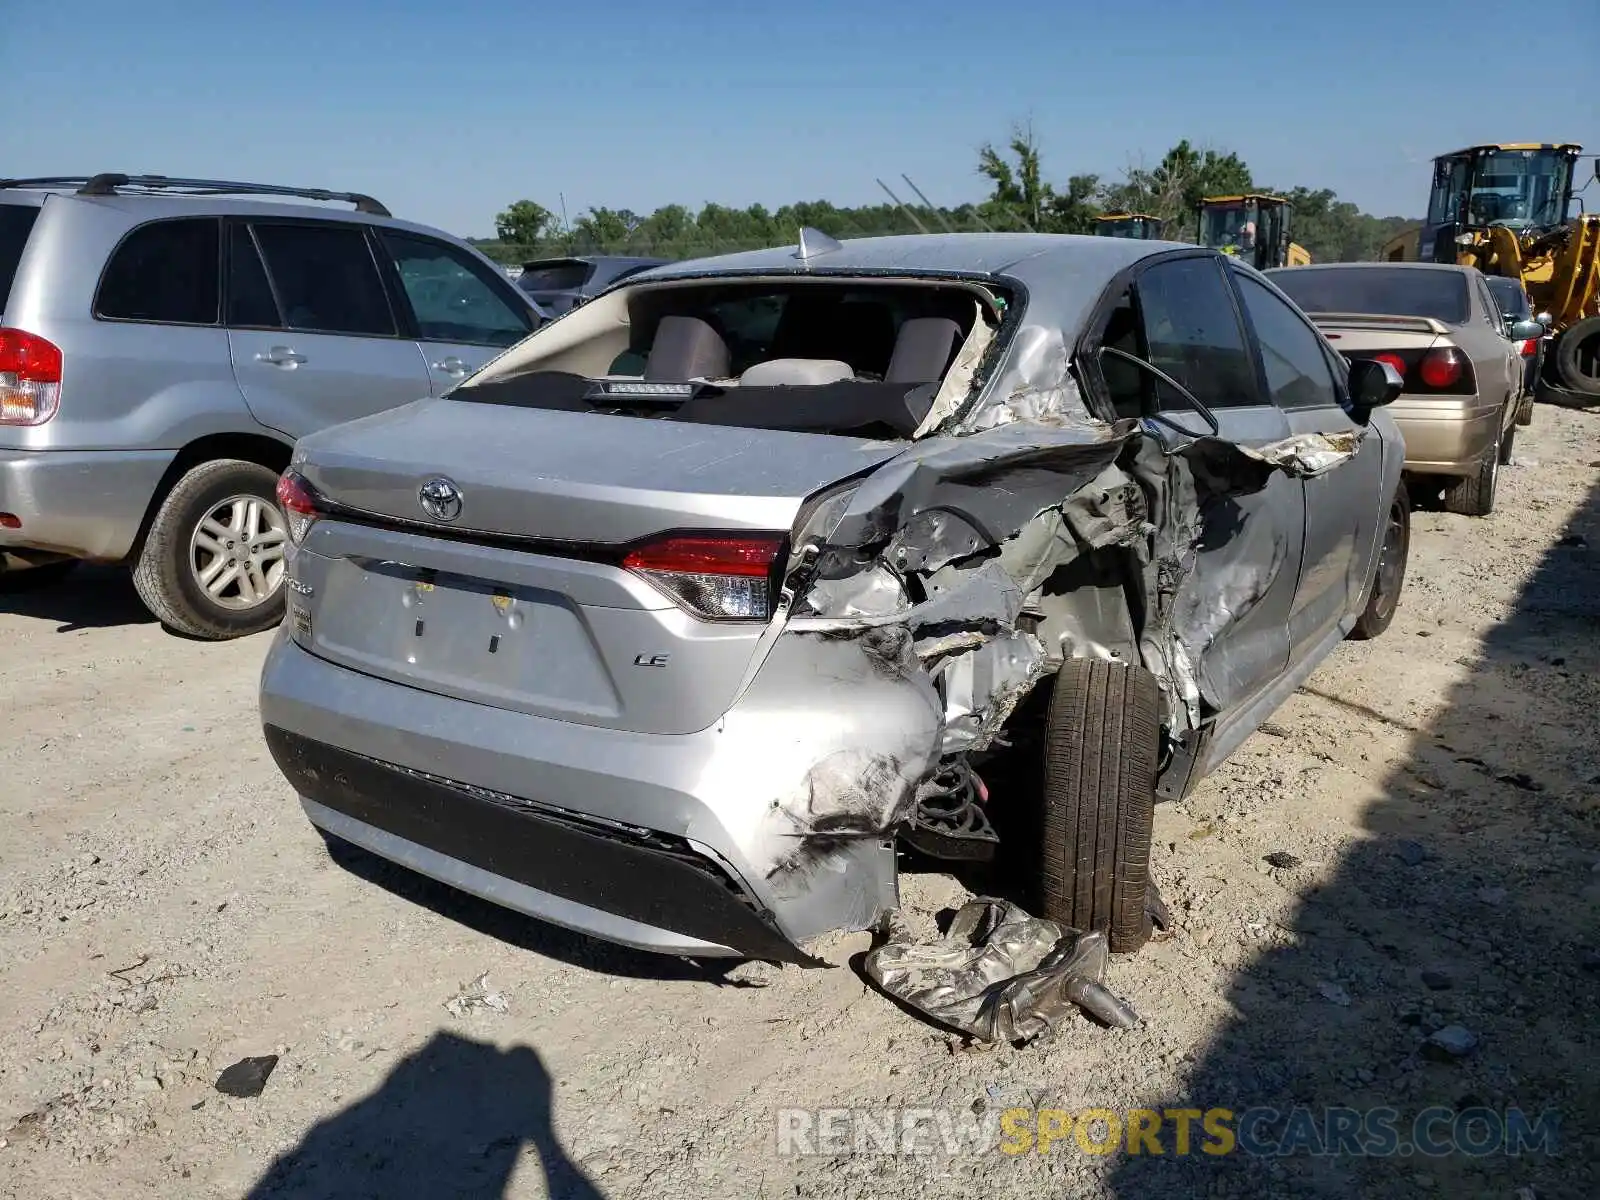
(999, 974)
(1308, 455)
(477, 994)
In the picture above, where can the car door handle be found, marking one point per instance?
(281, 356)
(451, 366)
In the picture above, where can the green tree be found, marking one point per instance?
(523, 223)
(1019, 189)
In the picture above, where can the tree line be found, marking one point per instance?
(1020, 198)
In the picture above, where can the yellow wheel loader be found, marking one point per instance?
(1254, 227)
(1129, 225)
(1506, 209)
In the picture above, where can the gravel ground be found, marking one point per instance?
(166, 911)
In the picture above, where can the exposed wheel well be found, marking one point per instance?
(269, 452)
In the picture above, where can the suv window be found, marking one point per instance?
(1192, 332)
(325, 278)
(250, 301)
(450, 296)
(1298, 375)
(167, 272)
(16, 222)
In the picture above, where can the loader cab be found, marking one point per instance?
(1525, 187)
(1141, 226)
(1252, 227)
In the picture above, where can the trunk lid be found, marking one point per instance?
(1361, 335)
(578, 477)
(553, 626)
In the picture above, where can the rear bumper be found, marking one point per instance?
(82, 503)
(1446, 435)
(676, 843)
(652, 892)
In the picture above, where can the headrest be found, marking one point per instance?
(796, 372)
(686, 348)
(923, 350)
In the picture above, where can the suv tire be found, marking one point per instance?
(1474, 495)
(1102, 737)
(197, 579)
(1389, 576)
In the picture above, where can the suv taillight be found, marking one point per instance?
(30, 378)
(298, 499)
(715, 576)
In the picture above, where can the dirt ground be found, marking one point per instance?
(165, 910)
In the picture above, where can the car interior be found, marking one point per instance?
(839, 356)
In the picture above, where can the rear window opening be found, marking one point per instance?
(16, 223)
(1378, 291)
(856, 357)
(555, 275)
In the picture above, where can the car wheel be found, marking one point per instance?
(1383, 597)
(1578, 357)
(28, 579)
(1525, 411)
(1508, 442)
(1101, 741)
(1474, 495)
(212, 564)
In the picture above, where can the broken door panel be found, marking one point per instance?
(1233, 611)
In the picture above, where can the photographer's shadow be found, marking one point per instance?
(453, 1119)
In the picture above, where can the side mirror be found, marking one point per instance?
(1521, 331)
(1373, 385)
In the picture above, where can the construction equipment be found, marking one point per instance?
(1254, 227)
(1506, 208)
(1142, 226)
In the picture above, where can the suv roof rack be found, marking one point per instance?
(108, 184)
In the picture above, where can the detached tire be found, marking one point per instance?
(1102, 737)
(1474, 495)
(212, 564)
(1389, 577)
(1577, 355)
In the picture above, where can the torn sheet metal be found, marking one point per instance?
(983, 686)
(958, 379)
(1000, 974)
(1308, 455)
(1037, 386)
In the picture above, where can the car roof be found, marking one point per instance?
(143, 206)
(1367, 266)
(1064, 259)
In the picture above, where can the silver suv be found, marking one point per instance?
(164, 342)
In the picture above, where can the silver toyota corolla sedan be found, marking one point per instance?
(670, 623)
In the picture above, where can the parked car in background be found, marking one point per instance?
(558, 285)
(667, 624)
(1464, 371)
(163, 342)
(1515, 309)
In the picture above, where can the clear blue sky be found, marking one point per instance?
(448, 111)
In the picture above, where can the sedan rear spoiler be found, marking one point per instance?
(1378, 321)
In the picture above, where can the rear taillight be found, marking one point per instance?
(30, 378)
(1529, 347)
(1441, 368)
(719, 577)
(1394, 360)
(298, 499)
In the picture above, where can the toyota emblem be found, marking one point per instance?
(440, 499)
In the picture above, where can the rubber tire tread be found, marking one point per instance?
(1474, 495)
(1101, 744)
(160, 571)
